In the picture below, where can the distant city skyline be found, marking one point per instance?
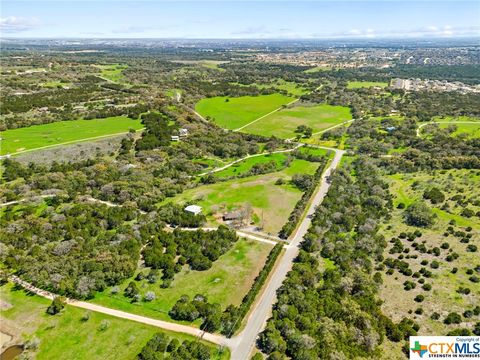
(240, 20)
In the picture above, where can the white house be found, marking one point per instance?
(194, 209)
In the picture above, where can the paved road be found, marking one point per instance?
(243, 344)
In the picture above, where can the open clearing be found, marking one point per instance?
(443, 298)
(234, 112)
(284, 122)
(67, 336)
(292, 88)
(366, 84)
(471, 130)
(271, 202)
(226, 282)
(246, 165)
(112, 72)
(38, 136)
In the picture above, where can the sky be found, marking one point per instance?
(239, 19)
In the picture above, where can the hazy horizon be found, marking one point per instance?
(235, 20)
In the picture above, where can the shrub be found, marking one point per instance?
(419, 298)
(471, 248)
(434, 195)
(419, 214)
(435, 316)
(427, 287)
(453, 318)
(57, 305)
(150, 296)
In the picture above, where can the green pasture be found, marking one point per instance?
(39, 136)
(269, 201)
(226, 282)
(234, 112)
(244, 166)
(68, 336)
(112, 72)
(366, 84)
(471, 130)
(291, 87)
(317, 69)
(283, 123)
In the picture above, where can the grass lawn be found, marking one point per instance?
(284, 122)
(66, 336)
(245, 165)
(291, 87)
(317, 69)
(226, 282)
(365, 84)
(443, 297)
(112, 72)
(275, 202)
(471, 130)
(238, 111)
(37, 136)
(55, 84)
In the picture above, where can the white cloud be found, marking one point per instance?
(18, 23)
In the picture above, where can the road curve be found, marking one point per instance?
(243, 343)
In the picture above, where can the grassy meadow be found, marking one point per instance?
(246, 165)
(38, 136)
(112, 72)
(234, 112)
(67, 336)
(284, 122)
(275, 202)
(366, 84)
(292, 88)
(443, 297)
(226, 282)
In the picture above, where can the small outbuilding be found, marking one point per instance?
(194, 209)
(175, 138)
(233, 215)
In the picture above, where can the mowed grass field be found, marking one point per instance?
(443, 298)
(471, 130)
(366, 84)
(226, 282)
(246, 165)
(284, 122)
(272, 202)
(67, 336)
(239, 111)
(38, 136)
(292, 88)
(112, 72)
